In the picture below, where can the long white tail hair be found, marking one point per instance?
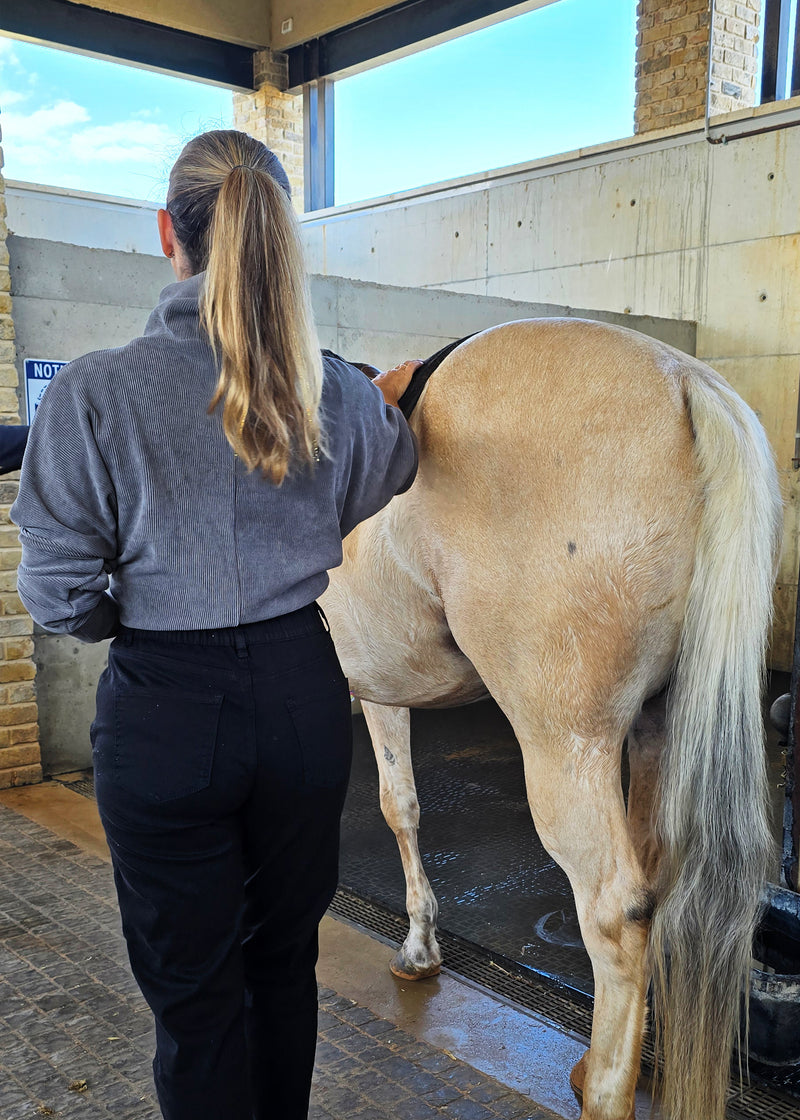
(714, 815)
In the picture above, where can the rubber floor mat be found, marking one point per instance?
(495, 883)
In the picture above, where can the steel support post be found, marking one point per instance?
(319, 146)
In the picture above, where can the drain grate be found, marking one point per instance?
(85, 787)
(570, 1009)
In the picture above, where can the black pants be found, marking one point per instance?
(221, 763)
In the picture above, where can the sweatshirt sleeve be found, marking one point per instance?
(66, 512)
(13, 438)
(380, 459)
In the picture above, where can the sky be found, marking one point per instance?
(549, 81)
(72, 121)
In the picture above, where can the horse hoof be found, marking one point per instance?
(577, 1077)
(404, 969)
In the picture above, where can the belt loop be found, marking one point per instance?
(240, 642)
(322, 615)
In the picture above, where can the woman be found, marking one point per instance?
(207, 473)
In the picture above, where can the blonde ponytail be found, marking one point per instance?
(232, 215)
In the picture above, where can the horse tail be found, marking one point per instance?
(714, 809)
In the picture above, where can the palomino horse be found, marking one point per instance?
(595, 514)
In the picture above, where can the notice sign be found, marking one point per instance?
(39, 372)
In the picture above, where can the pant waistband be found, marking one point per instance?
(297, 624)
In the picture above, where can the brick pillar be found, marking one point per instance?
(672, 60)
(274, 116)
(20, 759)
(734, 55)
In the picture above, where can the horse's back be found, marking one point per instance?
(573, 409)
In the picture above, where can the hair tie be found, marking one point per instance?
(244, 166)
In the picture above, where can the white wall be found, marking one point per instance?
(95, 221)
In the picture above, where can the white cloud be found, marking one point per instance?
(7, 52)
(43, 125)
(131, 141)
(9, 62)
(59, 144)
(62, 126)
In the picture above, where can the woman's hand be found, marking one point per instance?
(395, 381)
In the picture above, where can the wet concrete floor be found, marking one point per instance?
(519, 1061)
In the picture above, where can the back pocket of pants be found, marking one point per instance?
(324, 729)
(164, 742)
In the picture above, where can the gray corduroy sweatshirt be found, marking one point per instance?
(133, 506)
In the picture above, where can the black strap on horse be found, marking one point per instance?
(419, 379)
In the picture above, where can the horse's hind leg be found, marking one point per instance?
(645, 748)
(390, 731)
(576, 800)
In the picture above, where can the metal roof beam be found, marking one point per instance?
(388, 32)
(121, 38)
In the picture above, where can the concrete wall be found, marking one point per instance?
(95, 221)
(382, 325)
(69, 299)
(670, 226)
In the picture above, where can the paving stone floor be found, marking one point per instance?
(76, 1038)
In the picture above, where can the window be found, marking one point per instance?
(555, 79)
(779, 75)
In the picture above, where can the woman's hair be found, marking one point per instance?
(229, 203)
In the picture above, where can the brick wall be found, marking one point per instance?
(20, 761)
(274, 116)
(672, 59)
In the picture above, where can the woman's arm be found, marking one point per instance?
(373, 449)
(66, 512)
(13, 438)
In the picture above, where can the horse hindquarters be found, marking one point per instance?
(566, 588)
(563, 565)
